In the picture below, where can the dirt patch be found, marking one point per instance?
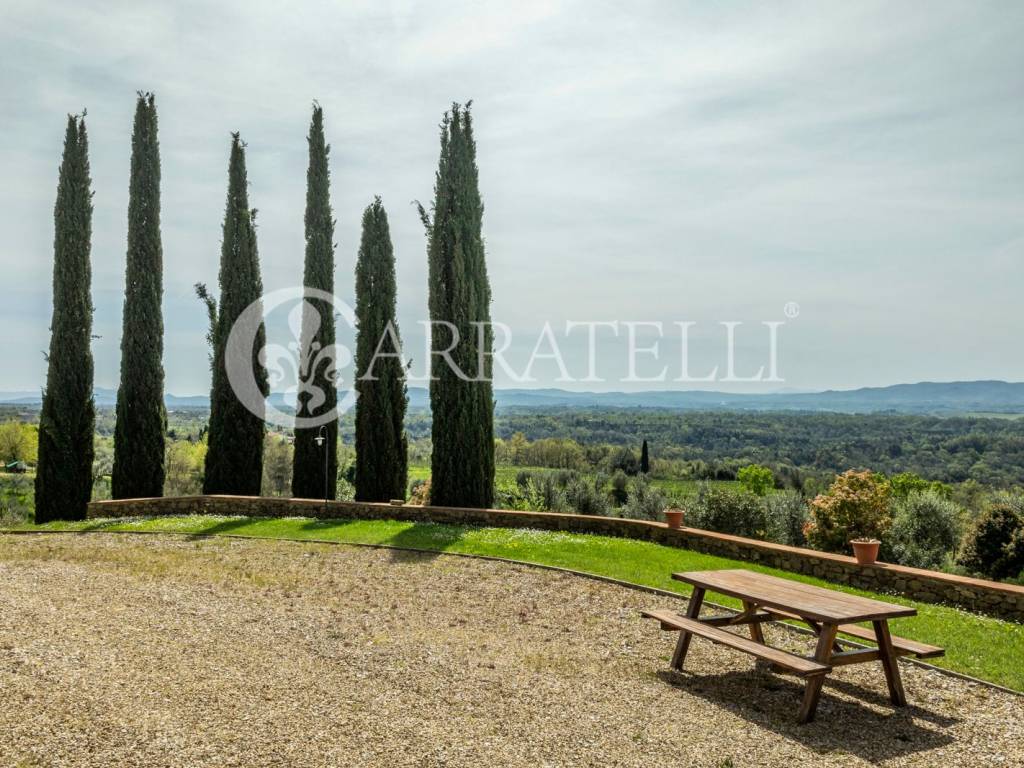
(141, 651)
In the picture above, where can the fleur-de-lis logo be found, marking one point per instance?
(304, 361)
(298, 369)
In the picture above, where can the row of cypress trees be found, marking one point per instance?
(459, 295)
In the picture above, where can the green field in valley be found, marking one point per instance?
(506, 475)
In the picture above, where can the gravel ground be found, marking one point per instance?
(166, 651)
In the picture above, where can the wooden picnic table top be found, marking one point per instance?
(805, 600)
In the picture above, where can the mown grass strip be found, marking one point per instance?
(975, 645)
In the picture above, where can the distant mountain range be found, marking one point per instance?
(924, 397)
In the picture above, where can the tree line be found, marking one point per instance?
(798, 446)
(459, 298)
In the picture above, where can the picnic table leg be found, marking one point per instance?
(757, 635)
(892, 669)
(692, 612)
(755, 628)
(822, 654)
(816, 628)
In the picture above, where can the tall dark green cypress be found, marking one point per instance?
(141, 416)
(234, 455)
(308, 469)
(381, 447)
(645, 458)
(462, 463)
(64, 479)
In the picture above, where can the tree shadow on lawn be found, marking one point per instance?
(224, 526)
(416, 542)
(109, 524)
(429, 539)
(771, 701)
(101, 525)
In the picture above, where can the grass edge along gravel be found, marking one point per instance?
(979, 646)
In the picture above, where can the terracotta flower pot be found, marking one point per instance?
(674, 518)
(865, 550)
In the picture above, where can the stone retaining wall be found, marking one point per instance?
(1003, 600)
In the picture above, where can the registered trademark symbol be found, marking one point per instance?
(791, 310)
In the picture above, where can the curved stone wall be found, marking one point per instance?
(993, 598)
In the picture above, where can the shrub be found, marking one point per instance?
(785, 517)
(756, 479)
(645, 501)
(623, 458)
(585, 498)
(550, 494)
(564, 476)
(348, 473)
(995, 545)
(926, 528)
(183, 475)
(15, 499)
(620, 487)
(513, 496)
(737, 512)
(856, 505)
(18, 442)
(344, 490)
(419, 493)
(906, 483)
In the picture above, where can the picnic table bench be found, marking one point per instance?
(825, 611)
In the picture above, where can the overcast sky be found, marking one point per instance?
(666, 161)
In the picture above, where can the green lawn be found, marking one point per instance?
(976, 645)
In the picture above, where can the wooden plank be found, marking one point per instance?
(798, 665)
(737, 619)
(858, 656)
(806, 600)
(901, 645)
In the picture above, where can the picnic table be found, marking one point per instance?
(825, 611)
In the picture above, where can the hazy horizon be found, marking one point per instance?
(670, 162)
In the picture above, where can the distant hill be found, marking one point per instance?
(924, 397)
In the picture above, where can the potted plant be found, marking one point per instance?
(674, 517)
(865, 550)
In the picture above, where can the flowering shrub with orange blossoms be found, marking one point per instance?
(856, 506)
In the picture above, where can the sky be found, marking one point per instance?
(852, 170)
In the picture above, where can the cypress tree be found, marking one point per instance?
(308, 469)
(645, 459)
(234, 455)
(141, 416)
(381, 448)
(63, 483)
(462, 462)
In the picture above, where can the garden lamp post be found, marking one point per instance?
(321, 440)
